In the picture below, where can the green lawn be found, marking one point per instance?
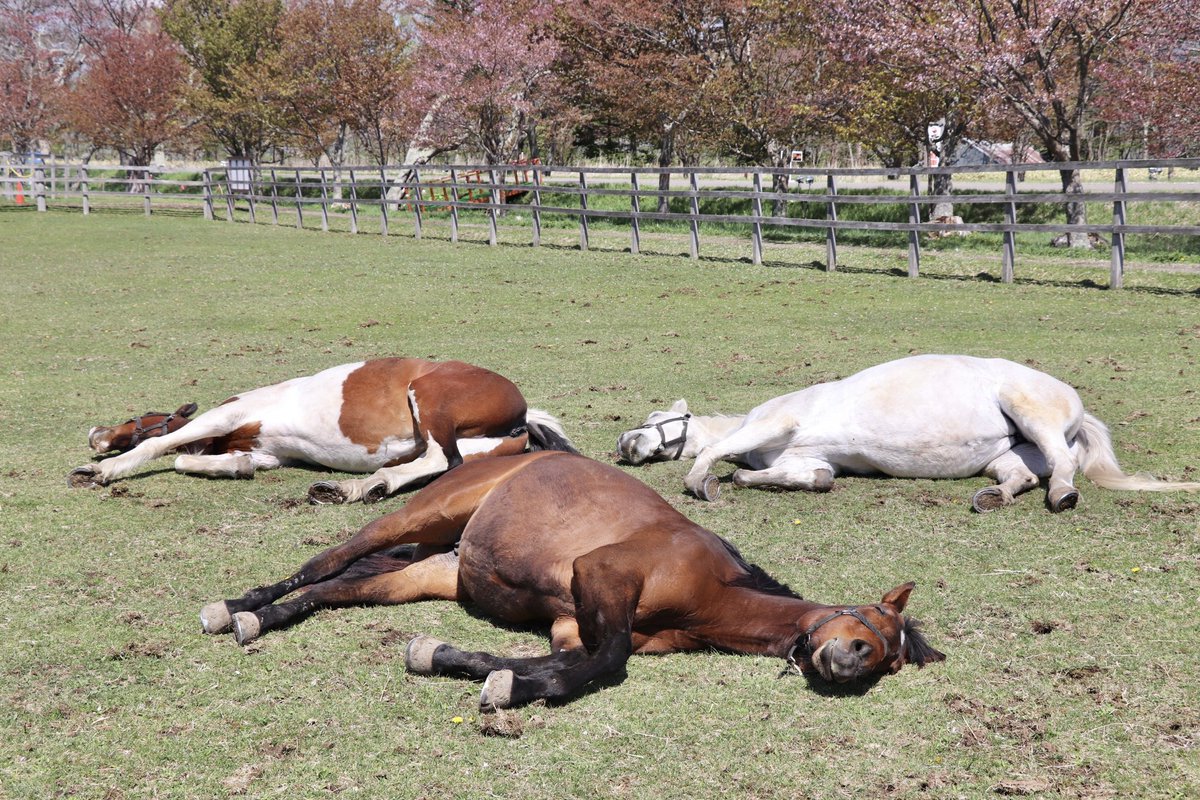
(1071, 639)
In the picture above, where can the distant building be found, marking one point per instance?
(979, 152)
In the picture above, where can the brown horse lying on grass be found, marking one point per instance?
(611, 565)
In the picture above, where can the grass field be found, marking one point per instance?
(1071, 639)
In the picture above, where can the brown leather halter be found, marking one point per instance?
(802, 643)
(142, 432)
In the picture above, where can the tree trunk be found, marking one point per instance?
(942, 184)
(1076, 209)
(666, 154)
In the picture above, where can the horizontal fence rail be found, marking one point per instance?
(690, 197)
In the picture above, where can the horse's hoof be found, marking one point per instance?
(85, 477)
(709, 488)
(246, 627)
(244, 467)
(326, 493)
(497, 690)
(418, 656)
(1068, 499)
(822, 480)
(989, 499)
(375, 493)
(214, 618)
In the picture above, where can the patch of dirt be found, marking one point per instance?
(1022, 787)
(146, 649)
(503, 722)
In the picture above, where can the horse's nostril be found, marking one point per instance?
(861, 648)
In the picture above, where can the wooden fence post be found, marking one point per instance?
(146, 191)
(39, 186)
(1009, 256)
(85, 189)
(493, 208)
(255, 183)
(454, 206)
(324, 200)
(831, 231)
(635, 211)
(537, 207)
(416, 177)
(274, 198)
(383, 200)
(914, 218)
(1116, 276)
(353, 203)
(228, 199)
(756, 236)
(694, 207)
(299, 199)
(583, 207)
(208, 198)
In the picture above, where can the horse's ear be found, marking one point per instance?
(187, 409)
(680, 407)
(898, 597)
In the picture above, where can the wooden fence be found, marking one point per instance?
(310, 197)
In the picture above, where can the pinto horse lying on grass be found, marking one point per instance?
(402, 419)
(920, 417)
(608, 563)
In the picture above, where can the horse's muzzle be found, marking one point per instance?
(838, 663)
(635, 447)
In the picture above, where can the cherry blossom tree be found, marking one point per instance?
(1038, 62)
(39, 54)
(483, 75)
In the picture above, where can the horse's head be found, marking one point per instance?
(660, 438)
(129, 433)
(846, 643)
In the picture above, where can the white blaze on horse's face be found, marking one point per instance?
(660, 438)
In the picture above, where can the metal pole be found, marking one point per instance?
(146, 190)
(39, 186)
(85, 189)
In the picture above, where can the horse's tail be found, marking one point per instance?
(546, 432)
(1098, 462)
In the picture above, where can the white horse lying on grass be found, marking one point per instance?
(930, 416)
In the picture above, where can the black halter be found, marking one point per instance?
(802, 642)
(680, 440)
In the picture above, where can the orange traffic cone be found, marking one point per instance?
(20, 194)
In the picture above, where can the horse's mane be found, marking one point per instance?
(756, 577)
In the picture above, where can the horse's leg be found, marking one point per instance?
(426, 655)
(435, 517)
(1016, 471)
(607, 583)
(1045, 425)
(431, 578)
(383, 482)
(220, 421)
(226, 465)
(757, 435)
(808, 474)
